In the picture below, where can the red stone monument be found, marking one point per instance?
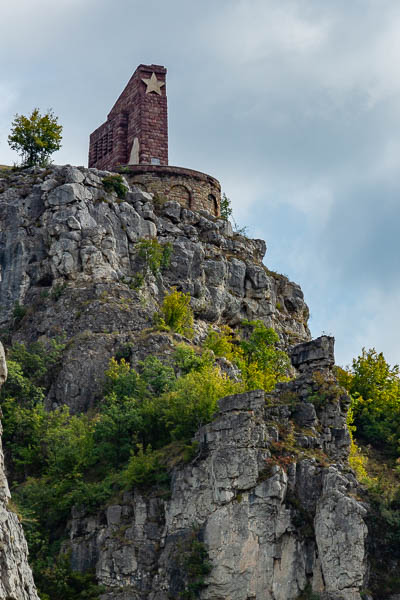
(135, 138)
(136, 130)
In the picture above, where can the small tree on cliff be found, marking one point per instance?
(35, 137)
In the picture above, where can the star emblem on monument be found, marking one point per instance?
(153, 84)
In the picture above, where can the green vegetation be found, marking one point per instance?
(308, 594)
(18, 313)
(226, 209)
(327, 390)
(374, 387)
(115, 183)
(57, 291)
(196, 566)
(254, 352)
(374, 419)
(176, 314)
(144, 468)
(382, 483)
(35, 137)
(156, 256)
(59, 581)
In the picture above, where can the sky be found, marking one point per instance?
(294, 105)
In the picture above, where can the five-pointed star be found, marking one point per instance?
(153, 85)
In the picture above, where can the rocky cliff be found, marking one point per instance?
(16, 582)
(268, 507)
(269, 493)
(69, 255)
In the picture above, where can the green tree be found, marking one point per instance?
(375, 390)
(35, 137)
(255, 352)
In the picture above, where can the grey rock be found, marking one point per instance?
(114, 515)
(305, 415)
(340, 536)
(67, 193)
(73, 175)
(318, 354)
(250, 523)
(16, 579)
(48, 185)
(73, 223)
(172, 210)
(3, 366)
(226, 229)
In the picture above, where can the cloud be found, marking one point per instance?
(294, 105)
(8, 97)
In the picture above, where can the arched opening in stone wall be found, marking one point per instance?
(213, 204)
(181, 194)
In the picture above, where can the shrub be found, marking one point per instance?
(58, 291)
(186, 359)
(19, 312)
(144, 469)
(176, 313)
(226, 209)
(222, 343)
(38, 361)
(196, 566)
(263, 364)
(194, 400)
(122, 380)
(159, 377)
(57, 580)
(255, 353)
(156, 256)
(142, 427)
(357, 460)
(115, 183)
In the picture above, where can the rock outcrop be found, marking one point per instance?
(70, 262)
(16, 581)
(269, 494)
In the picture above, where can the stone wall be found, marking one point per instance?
(136, 130)
(192, 189)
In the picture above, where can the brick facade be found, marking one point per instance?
(192, 189)
(134, 139)
(136, 130)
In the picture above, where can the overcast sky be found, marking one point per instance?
(294, 105)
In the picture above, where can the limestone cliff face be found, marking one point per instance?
(269, 493)
(16, 582)
(69, 254)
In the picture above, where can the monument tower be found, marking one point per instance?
(135, 138)
(136, 130)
